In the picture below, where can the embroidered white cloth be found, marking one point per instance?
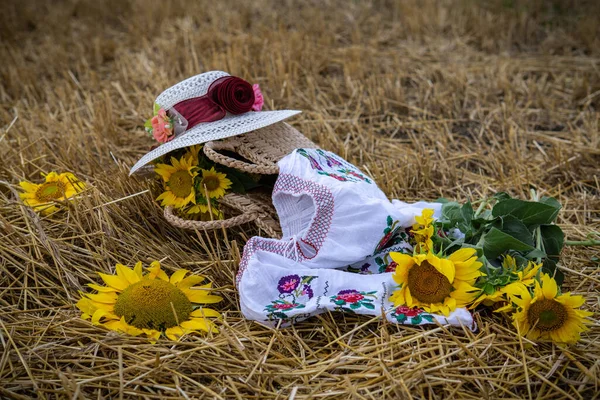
(338, 230)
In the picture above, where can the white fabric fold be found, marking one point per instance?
(338, 230)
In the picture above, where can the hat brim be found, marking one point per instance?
(231, 125)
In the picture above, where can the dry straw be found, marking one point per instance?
(458, 99)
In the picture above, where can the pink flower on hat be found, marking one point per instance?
(162, 126)
(258, 98)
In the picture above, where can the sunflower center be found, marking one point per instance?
(427, 284)
(211, 183)
(180, 183)
(549, 314)
(50, 191)
(153, 304)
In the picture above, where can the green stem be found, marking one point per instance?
(538, 235)
(482, 205)
(590, 242)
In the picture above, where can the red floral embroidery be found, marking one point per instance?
(284, 306)
(409, 312)
(350, 297)
(391, 267)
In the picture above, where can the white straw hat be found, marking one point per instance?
(229, 125)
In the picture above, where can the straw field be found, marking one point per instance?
(457, 98)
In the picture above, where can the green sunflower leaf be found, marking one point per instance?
(500, 196)
(515, 228)
(489, 289)
(530, 213)
(553, 239)
(451, 213)
(467, 212)
(496, 242)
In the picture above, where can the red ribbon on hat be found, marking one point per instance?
(228, 94)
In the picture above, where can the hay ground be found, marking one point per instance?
(454, 98)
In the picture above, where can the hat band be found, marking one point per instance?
(228, 94)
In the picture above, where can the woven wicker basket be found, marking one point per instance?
(263, 148)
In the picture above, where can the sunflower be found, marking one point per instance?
(510, 280)
(423, 231)
(179, 182)
(547, 315)
(434, 283)
(200, 210)
(216, 183)
(193, 152)
(57, 187)
(150, 304)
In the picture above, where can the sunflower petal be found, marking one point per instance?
(28, 186)
(127, 274)
(114, 325)
(404, 261)
(106, 298)
(130, 329)
(191, 281)
(102, 289)
(198, 323)
(201, 296)
(507, 308)
(86, 306)
(462, 254)
(156, 272)
(408, 297)
(138, 269)
(205, 312)
(174, 333)
(114, 281)
(398, 297)
(571, 301)
(549, 287)
(153, 334)
(178, 276)
(99, 314)
(444, 266)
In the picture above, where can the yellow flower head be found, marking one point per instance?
(434, 283)
(200, 211)
(192, 153)
(548, 316)
(150, 304)
(215, 183)
(57, 187)
(423, 231)
(520, 279)
(179, 182)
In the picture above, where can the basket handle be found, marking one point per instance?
(210, 151)
(243, 218)
(251, 212)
